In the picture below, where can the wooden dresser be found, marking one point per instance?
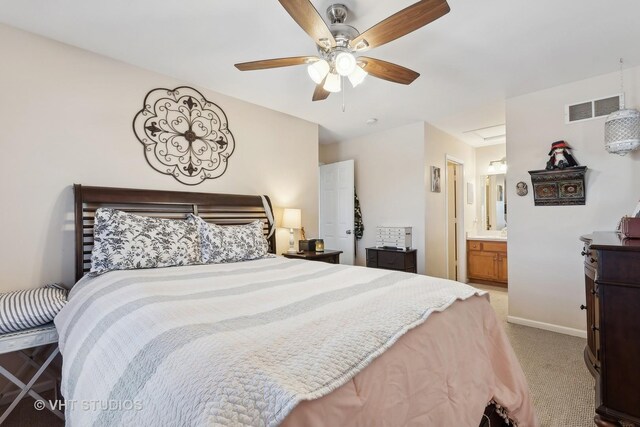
(392, 259)
(612, 289)
(487, 262)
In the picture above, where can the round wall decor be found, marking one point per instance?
(184, 135)
(522, 189)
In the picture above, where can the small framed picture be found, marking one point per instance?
(435, 179)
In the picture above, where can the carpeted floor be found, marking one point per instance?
(561, 386)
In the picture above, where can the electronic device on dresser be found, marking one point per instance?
(612, 289)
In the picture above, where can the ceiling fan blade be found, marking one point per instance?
(320, 94)
(303, 12)
(276, 63)
(388, 71)
(402, 23)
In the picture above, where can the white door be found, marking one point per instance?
(336, 209)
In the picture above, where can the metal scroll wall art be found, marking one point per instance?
(184, 135)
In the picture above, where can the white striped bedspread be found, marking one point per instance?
(230, 344)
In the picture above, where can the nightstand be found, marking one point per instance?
(392, 259)
(332, 257)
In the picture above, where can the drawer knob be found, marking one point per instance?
(594, 328)
(583, 307)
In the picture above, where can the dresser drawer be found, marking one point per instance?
(494, 246)
(474, 246)
(590, 257)
(372, 258)
(391, 260)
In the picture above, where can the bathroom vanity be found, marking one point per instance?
(487, 260)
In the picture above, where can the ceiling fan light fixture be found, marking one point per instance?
(357, 76)
(318, 70)
(333, 83)
(345, 63)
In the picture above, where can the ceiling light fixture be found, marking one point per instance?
(497, 167)
(318, 70)
(333, 83)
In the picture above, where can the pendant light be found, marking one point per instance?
(622, 127)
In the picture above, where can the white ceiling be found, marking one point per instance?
(470, 60)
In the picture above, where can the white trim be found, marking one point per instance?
(462, 249)
(547, 326)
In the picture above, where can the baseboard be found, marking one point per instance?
(38, 387)
(547, 326)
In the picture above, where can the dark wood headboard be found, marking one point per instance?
(223, 209)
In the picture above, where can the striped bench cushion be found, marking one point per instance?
(21, 310)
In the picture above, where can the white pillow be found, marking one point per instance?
(231, 243)
(123, 241)
(30, 308)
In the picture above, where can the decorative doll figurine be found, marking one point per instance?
(560, 156)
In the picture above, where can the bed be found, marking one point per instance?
(276, 341)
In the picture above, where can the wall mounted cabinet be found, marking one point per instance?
(559, 187)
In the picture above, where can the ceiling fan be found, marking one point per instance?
(339, 45)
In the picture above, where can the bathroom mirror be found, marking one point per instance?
(494, 209)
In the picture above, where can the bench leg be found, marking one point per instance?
(26, 388)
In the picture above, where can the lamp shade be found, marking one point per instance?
(333, 83)
(357, 76)
(622, 131)
(318, 70)
(345, 63)
(292, 218)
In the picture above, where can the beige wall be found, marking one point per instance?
(484, 155)
(439, 145)
(389, 176)
(546, 282)
(66, 118)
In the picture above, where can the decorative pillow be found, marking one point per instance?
(231, 243)
(30, 308)
(123, 241)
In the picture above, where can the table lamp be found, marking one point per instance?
(291, 218)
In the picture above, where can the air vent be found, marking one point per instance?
(593, 109)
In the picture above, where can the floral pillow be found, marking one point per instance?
(124, 241)
(231, 243)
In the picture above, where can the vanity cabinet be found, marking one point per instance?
(487, 262)
(612, 304)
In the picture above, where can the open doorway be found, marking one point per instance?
(454, 178)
